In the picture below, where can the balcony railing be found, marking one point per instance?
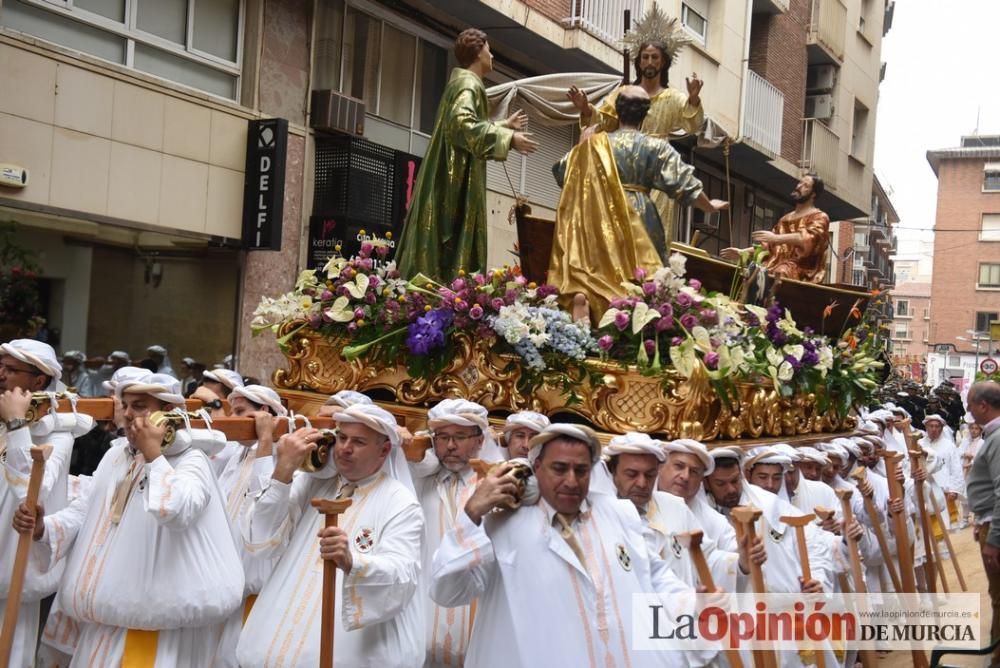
(765, 107)
(604, 18)
(820, 150)
(828, 26)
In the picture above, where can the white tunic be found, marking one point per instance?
(443, 495)
(170, 565)
(537, 604)
(667, 515)
(58, 432)
(948, 474)
(715, 525)
(379, 620)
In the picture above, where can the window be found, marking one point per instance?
(191, 42)
(983, 320)
(858, 277)
(927, 314)
(694, 16)
(860, 239)
(765, 216)
(991, 177)
(901, 331)
(902, 308)
(859, 132)
(397, 68)
(990, 229)
(989, 275)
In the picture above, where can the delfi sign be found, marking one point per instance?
(264, 183)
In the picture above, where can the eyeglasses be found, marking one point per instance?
(457, 439)
(10, 371)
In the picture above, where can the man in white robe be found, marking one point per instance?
(342, 399)
(376, 547)
(444, 481)
(948, 476)
(158, 354)
(150, 505)
(518, 431)
(28, 366)
(554, 580)
(241, 481)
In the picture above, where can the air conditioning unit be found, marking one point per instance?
(335, 112)
(821, 78)
(819, 106)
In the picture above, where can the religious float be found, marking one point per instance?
(675, 356)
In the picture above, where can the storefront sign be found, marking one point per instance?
(264, 184)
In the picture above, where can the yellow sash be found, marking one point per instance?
(248, 606)
(140, 649)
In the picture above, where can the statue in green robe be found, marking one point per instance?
(445, 227)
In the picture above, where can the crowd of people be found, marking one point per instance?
(201, 552)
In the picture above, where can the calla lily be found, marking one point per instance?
(339, 311)
(642, 315)
(358, 286)
(760, 313)
(608, 317)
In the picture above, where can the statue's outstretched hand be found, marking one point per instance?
(518, 120)
(694, 85)
(718, 205)
(579, 99)
(523, 143)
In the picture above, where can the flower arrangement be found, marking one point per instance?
(664, 321)
(20, 303)
(390, 320)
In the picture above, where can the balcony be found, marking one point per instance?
(765, 109)
(770, 6)
(827, 32)
(820, 150)
(604, 18)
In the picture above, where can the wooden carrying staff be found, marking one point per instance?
(925, 523)
(692, 541)
(332, 510)
(825, 514)
(907, 575)
(745, 517)
(859, 474)
(868, 658)
(38, 456)
(800, 522)
(917, 458)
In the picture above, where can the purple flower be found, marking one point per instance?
(712, 361)
(366, 249)
(605, 343)
(774, 312)
(480, 279)
(666, 310)
(621, 320)
(776, 336)
(650, 346)
(546, 291)
(689, 320)
(352, 327)
(794, 362)
(664, 323)
(374, 282)
(648, 289)
(677, 340)
(326, 296)
(458, 284)
(810, 358)
(359, 313)
(347, 273)
(694, 284)
(476, 312)
(366, 264)
(520, 280)
(684, 299)
(618, 303)
(510, 296)
(497, 304)
(708, 316)
(370, 298)
(753, 320)
(639, 274)
(427, 333)
(315, 320)
(382, 251)
(808, 331)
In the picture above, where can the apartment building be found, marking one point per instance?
(910, 325)
(965, 293)
(137, 120)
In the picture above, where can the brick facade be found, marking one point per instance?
(958, 254)
(558, 10)
(778, 53)
(917, 297)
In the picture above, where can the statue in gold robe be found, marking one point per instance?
(606, 223)
(656, 41)
(445, 227)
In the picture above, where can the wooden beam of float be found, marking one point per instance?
(101, 409)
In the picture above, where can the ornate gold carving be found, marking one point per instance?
(622, 400)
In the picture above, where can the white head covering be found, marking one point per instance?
(727, 453)
(526, 420)
(848, 444)
(165, 366)
(577, 431)
(39, 355)
(230, 379)
(119, 355)
(75, 355)
(634, 443)
(158, 385)
(691, 447)
(868, 427)
(833, 450)
(262, 396)
(787, 450)
(767, 455)
(124, 373)
(810, 454)
(382, 421)
(882, 415)
(900, 409)
(465, 413)
(346, 398)
(934, 417)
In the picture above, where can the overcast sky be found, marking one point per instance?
(942, 69)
